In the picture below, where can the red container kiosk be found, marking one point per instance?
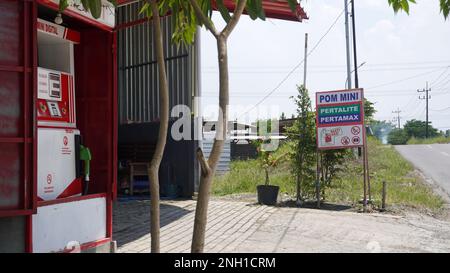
(57, 127)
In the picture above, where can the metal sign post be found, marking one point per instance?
(340, 124)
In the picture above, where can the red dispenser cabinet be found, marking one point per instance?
(58, 89)
(58, 143)
(72, 212)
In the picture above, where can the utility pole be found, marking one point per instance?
(347, 41)
(397, 119)
(367, 191)
(306, 60)
(427, 98)
(355, 58)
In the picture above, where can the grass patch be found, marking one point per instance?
(246, 175)
(385, 164)
(434, 140)
(404, 187)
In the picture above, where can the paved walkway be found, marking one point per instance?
(229, 224)
(242, 227)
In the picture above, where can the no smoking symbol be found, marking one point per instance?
(345, 141)
(356, 130)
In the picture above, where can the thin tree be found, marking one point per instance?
(151, 8)
(202, 9)
(184, 34)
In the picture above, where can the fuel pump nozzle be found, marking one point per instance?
(86, 157)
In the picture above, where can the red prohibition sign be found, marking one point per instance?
(65, 140)
(356, 140)
(345, 141)
(356, 130)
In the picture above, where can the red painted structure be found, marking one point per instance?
(96, 99)
(277, 9)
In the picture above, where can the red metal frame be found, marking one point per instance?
(75, 15)
(90, 245)
(25, 69)
(71, 199)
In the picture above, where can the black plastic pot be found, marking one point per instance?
(267, 195)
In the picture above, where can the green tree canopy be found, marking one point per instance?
(417, 129)
(398, 137)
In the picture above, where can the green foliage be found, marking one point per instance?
(245, 175)
(269, 161)
(183, 14)
(92, 6)
(303, 144)
(332, 163)
(417, 129)
(369, 111)
(404, 5)
(404, 187)
(434, 140)
(398, 137)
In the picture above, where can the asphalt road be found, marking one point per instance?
(432, 160)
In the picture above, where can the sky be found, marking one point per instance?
(401, 53)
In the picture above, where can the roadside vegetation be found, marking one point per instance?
(405, 187)
(434, 140)
(415, 132)
(341, 172)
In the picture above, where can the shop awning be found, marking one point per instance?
(277, 9)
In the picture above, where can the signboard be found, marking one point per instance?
(58, 31)
(340, 119)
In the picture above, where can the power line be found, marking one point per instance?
(334, 65)
(297, 66)
(441, 110)
(276, 71)
(442, 74)
(405, 79)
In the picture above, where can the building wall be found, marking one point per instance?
(224, 162)
(138, 76)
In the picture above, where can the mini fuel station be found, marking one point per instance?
(57, 112)
(59, 121)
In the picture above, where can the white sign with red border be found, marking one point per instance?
(340, 119)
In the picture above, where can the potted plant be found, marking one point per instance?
(267, 194)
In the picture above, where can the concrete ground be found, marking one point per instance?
(242, 227)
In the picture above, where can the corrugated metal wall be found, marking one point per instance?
(225, 157)
(138, 76)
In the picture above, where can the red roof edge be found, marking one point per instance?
(276, 9)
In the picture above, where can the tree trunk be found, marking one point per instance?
(162, 135)
(208, 168)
